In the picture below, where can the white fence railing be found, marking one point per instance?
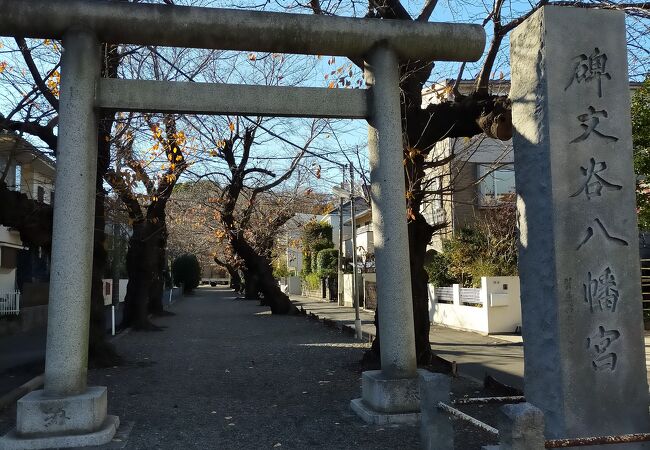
(445, 294)
(9, 303)
(470, 296)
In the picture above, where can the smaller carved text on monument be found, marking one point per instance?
(589, 122)
(55, 417)
(603, 231)
(599, 343)
(588, 68)
(601, 292)
(594, 183)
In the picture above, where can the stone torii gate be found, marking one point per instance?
(69, 413)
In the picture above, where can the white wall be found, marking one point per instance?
(291, 285)
(35, 174)
(8, 238)
(347, 288)
(504, 299)
(500, 311)
(366, 241)
(7, 280)
(461, 317)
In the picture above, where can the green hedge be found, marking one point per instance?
(327, 262)
(186, 270)
(313, 281)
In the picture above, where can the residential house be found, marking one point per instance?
(480, 176)
(363, 218)
(25, 169)
(365, 243)
(292, 236)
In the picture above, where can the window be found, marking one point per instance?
(495, 182)
(8, 257)
(18, 175)
(40, 194)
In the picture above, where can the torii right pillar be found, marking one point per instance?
(579, 253)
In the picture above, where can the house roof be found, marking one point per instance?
(360, 204)
(364, 213)
(23, 151)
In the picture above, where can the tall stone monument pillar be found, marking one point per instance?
(390, 394)
(67, 413)
(579, 254)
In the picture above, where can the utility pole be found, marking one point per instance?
(355, 289)
(340, 271)
(117, 257)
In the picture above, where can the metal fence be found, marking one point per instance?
(445, 294)
(9, 303)
(470, 296)
(645, 286)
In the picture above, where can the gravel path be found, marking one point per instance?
(227, 374)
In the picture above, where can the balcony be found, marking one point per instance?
(364, 229)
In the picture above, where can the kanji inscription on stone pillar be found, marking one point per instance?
(579, 254)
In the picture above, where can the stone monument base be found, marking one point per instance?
(387, 400)
(71, 421)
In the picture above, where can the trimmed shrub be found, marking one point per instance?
(327, 262)
(306, 264)
(312, 281)
(316, 236)
(186, 270)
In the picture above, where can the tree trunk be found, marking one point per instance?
(235, 280)
(277, 300)
(420, 232)
(157, 279)
(141, 264)
(251, 289)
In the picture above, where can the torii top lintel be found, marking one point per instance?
(227, 29)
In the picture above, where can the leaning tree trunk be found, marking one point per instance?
(277, 300)
(235, 279)
(251, 285)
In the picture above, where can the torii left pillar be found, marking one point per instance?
(68, 413)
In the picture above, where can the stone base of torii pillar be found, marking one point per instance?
(388, 400)
(70, 421)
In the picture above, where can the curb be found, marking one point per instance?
(343, 327)
(368, 337)
(11, 396)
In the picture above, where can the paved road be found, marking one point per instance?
(476, 355)
(22, 357)
(501, 356)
